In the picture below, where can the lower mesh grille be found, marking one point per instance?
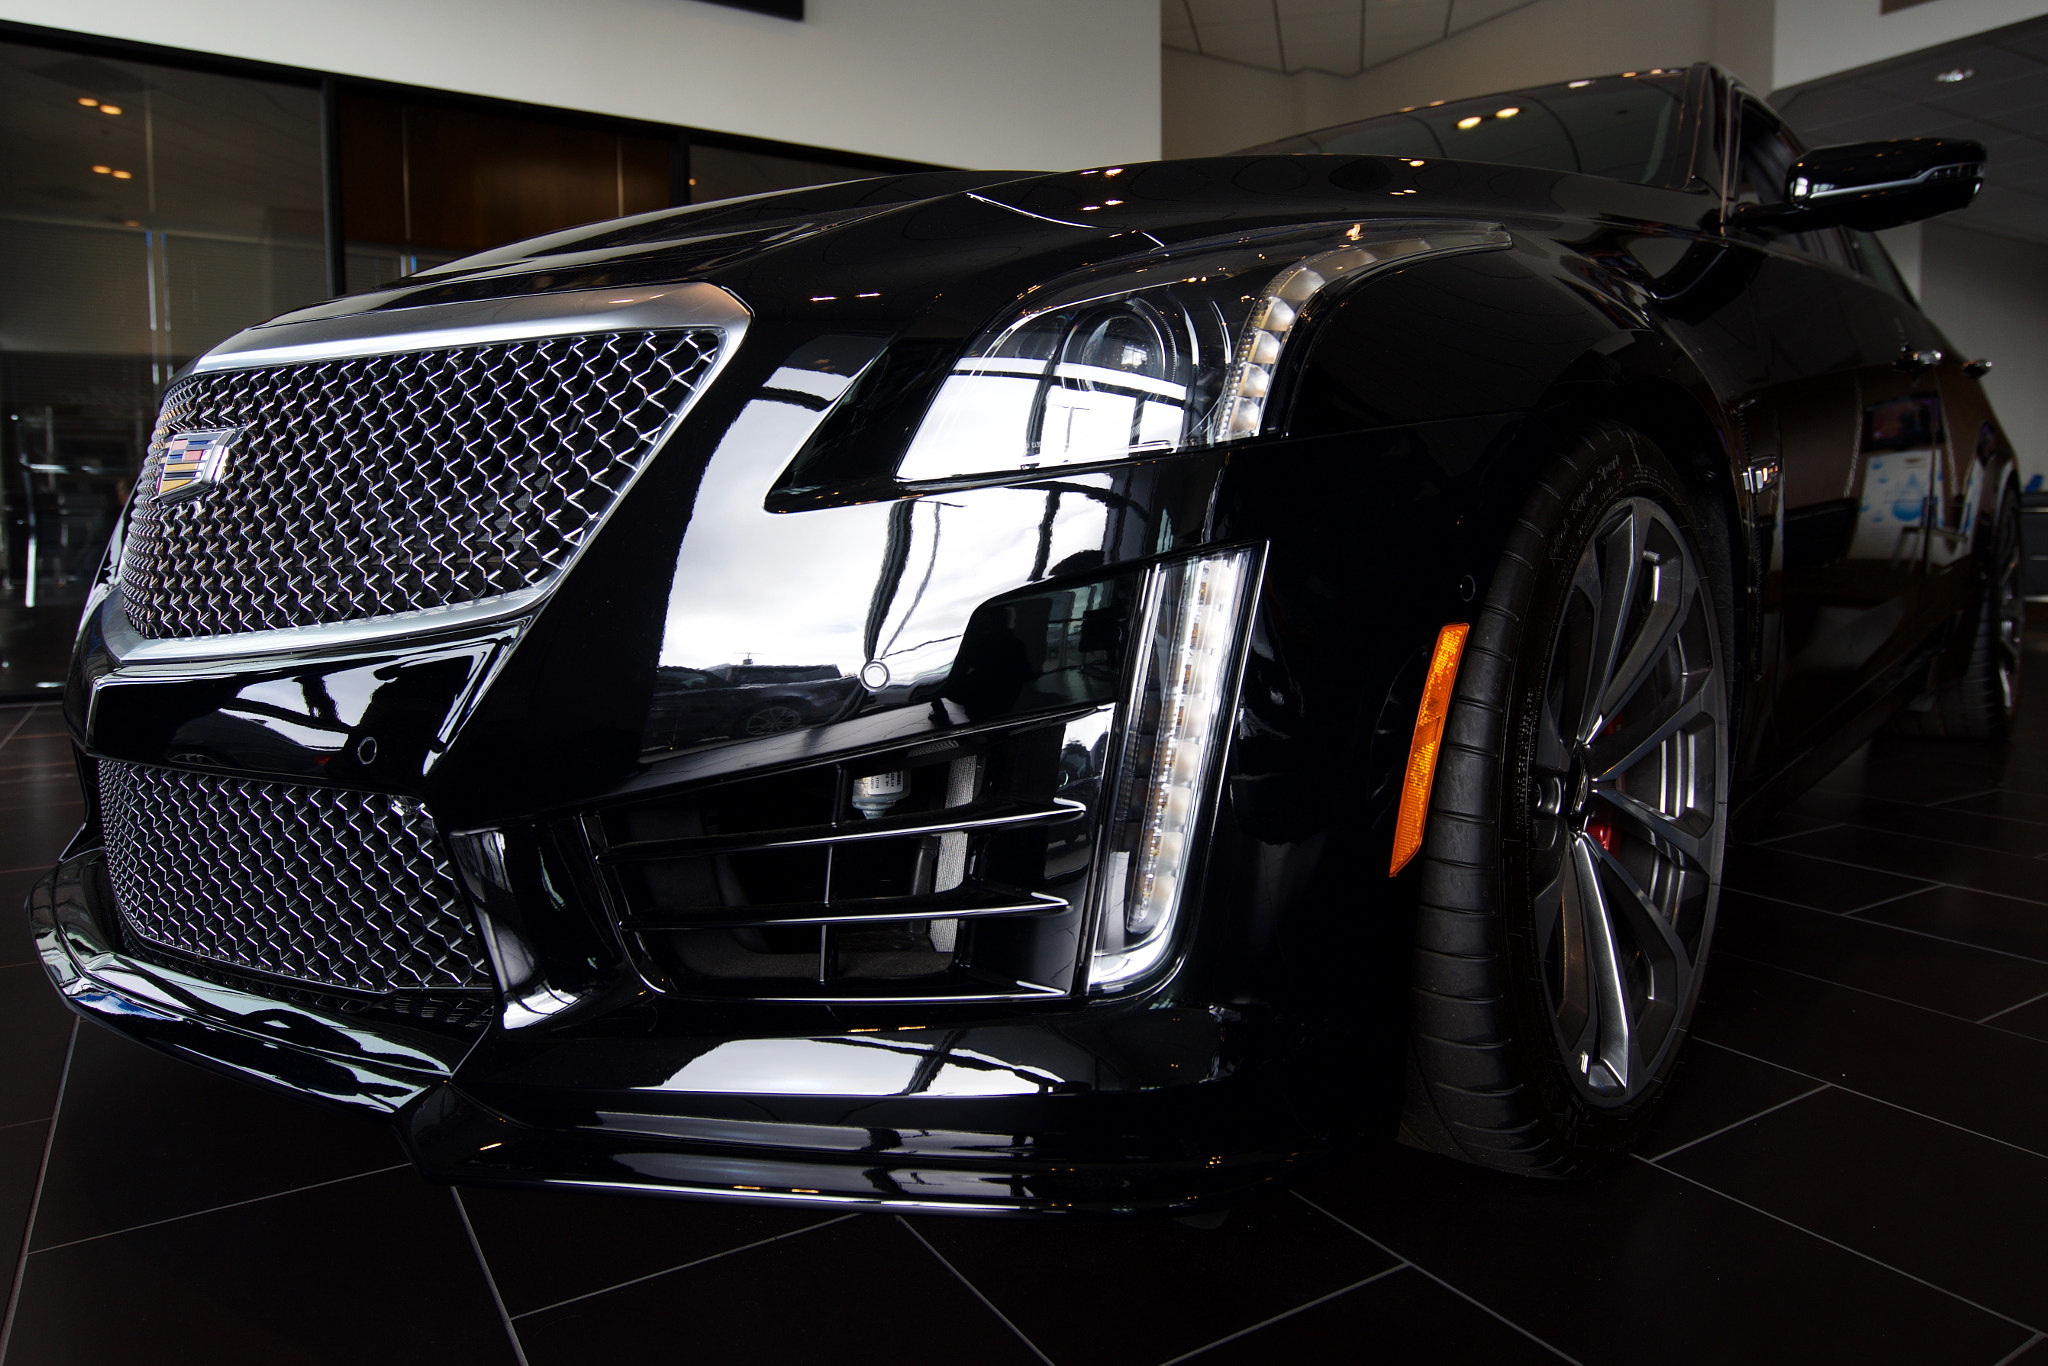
(339, 889)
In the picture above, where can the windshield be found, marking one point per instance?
(1621, 127)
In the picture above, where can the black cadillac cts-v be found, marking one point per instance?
(1016, 692)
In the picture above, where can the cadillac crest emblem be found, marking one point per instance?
(192, 460)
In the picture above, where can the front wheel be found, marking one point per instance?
(1572, 858)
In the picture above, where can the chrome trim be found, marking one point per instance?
(1809, 191)
(989, 813)
(479, 322)
(128, 646)
(961, 903)
(436, 327)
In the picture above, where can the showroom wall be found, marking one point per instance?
(1990, 295)
(1052, 83)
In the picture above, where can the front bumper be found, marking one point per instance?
(1047, 1111)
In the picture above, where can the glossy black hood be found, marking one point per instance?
(951, 243)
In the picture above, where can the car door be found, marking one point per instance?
(1855, 441)
(1969, 448)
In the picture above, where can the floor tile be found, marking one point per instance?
(1768, 869)
(1938, 774)
(29, 789)
(35, 1029)
(1932, 1063)
(1954, 1209)
(1403, 1316)
(1956, 978)
(1976, 829)
(1176, 1288)
(36, 835)
(2008, 924)
(1779, 824)
(1711, 1088)
(21, 1160)
(2033, 1354)
(1932, 860)
(2030, 1019)
(617, 1238)
(2007, 806)
(212, 1140)
(378, 1269)
(43, 720)
(24, 750)
(1643, 1264)
(17, 941)
(858, 1291)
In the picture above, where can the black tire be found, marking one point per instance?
(1984, 701)
(1533, 842)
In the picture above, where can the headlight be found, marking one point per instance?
(1167, 353)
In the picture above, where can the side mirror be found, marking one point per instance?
(1873, 185)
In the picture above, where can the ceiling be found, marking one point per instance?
(2001, 102)
(1338, 37)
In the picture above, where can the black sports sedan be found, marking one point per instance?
(1281, 640)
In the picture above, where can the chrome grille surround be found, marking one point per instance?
(319, 885)
(370, 485)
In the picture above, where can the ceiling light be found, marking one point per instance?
(110, 109)
(1508, 112)
(124, 175)
(1954, 74)
(102, 170)
(88, 101)
(1470, 122)
(1575, 85)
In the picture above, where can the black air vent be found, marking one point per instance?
(952, 869)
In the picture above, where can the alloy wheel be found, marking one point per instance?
(1627, 801)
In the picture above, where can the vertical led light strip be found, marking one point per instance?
(1185, 684)
(1429, 739)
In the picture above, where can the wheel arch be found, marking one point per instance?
(1706, 446)
(1550, 335)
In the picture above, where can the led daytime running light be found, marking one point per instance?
(1186, 684)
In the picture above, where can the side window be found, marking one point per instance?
(1765, 151)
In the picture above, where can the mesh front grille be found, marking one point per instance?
(340, 889)
(364, 487)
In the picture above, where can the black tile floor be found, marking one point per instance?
(1852, 1166)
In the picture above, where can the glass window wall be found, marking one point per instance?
(149, 211)
(146, 213)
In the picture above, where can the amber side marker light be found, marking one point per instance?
(1429, 738)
